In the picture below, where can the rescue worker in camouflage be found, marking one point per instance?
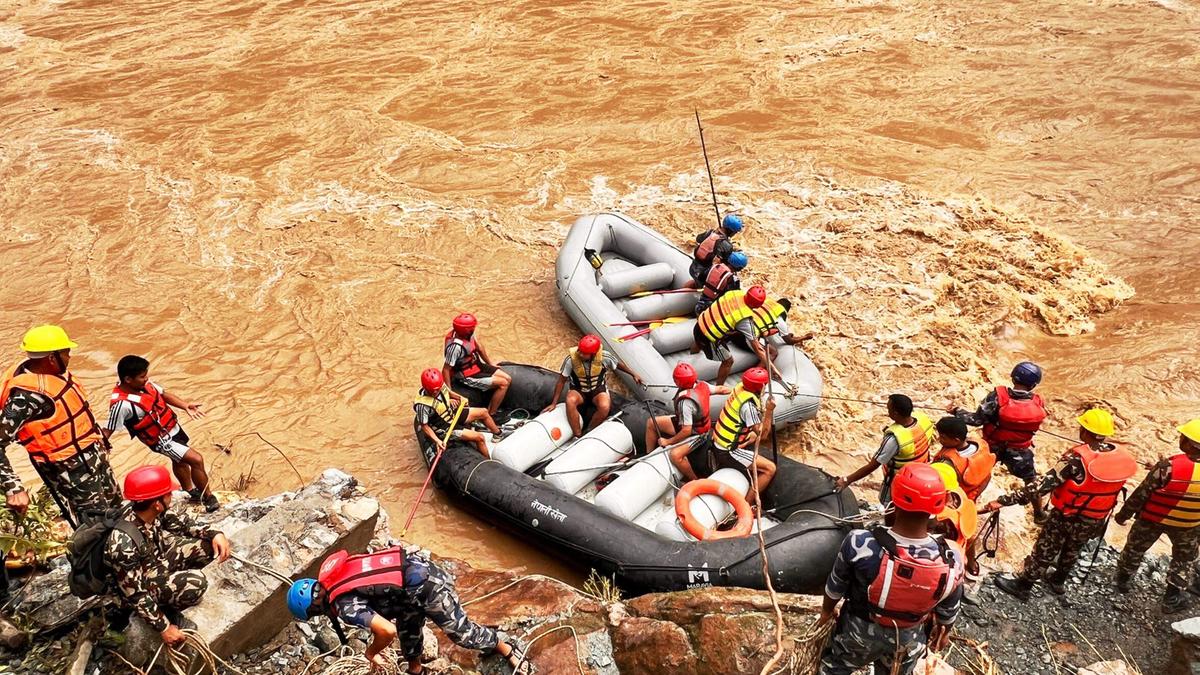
(1084, 486)
(392, 593)
(156, 573)
(46, 410)
(1166, 503)
(902, 585)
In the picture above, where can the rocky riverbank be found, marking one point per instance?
(592, 631)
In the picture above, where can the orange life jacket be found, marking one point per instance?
(469, 366)
(700, 395)
(718, 279)
(70, 430)
(1017, 420)
(342, 573)
(1177, 503)
(704, 250)
(974, 472)
(962, 514)
(159, 419)
(1105, 476)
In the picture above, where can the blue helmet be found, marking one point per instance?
(300, 597)
(732, 222)
(738, 260)
(1027, 373)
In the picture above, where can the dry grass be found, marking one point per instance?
(603, 588)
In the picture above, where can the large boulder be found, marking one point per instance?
(291, 534)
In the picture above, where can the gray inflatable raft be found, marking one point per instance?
(636, 260)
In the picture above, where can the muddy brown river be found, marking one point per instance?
(282, 204)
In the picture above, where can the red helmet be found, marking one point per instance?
(589, 345)
(685, 376)
(920, 488)
(755, 379)
(464, 324)
(431, 379)
(148, 482)
(755, 297)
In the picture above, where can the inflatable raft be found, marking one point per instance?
(637, 262)
(592, 501)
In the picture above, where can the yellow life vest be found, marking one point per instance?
(730, 428)
(587, 376)
(914, 447)
(723, 316)
(443, 406)
(767, 316)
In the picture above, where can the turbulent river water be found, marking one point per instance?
(283, 203)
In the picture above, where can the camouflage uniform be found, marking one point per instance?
(1185, 541)
(164, 572)
(1061, 537)
(84, 482)
(858, 641)
(428, 593)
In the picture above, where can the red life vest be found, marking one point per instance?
(906, 590)
(700, 395)
(1176, 504)
(342, 573)
(718, 279)
(159, 419)
(704, 250)
(1018, 420)
(1106, 473)
(469, 366)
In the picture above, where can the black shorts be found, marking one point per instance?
(1019, 462)
(706, 459)
(698, 270)
(713, 351)
(590, 397)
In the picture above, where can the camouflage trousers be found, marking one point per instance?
(1058, 545)
(178, 583)
(1185, 546)
(435, 599)
(84, 483)
(859, 642)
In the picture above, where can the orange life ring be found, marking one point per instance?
(707, 486)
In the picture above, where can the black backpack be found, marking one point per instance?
(90, 575)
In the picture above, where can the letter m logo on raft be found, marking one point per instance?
(698, 577)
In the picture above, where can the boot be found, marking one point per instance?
(1057, 584)
(1124, 581)
(1173, 601)
(1018, 587)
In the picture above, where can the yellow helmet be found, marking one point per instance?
(949, 477)
(46, 340)
(1097, 421)
(1191, 430)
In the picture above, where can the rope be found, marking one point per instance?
(181, 663)
(339, 649)
(574, 637)
(285, 579)
(275, 447)
(355, 664)
(810, 646)
(762, 542)
(467, 484)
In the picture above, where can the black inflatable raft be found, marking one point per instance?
(801, 540)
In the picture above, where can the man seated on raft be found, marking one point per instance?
(743, 420)
(436, 407)
(587, 366)
(716, 326)
(691, 416)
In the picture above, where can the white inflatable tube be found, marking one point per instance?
(535, 440)
(644, 278)
(640, 486)
(603, 445)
